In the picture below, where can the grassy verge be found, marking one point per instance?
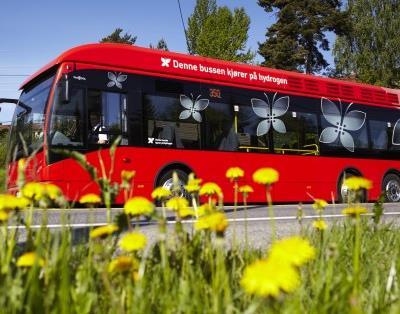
(198, 275)
(351, 267)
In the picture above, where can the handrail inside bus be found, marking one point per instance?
(314, 152)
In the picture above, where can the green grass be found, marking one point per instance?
(199, 275)
(2, 180)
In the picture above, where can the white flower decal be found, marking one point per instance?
(116, 79)
(396, 133)
(349, 121)
(193, 106)
(270, 113)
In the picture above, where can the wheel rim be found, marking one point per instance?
(168, 184)
(344, 191)
(392, 190)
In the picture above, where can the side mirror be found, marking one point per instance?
(64, 90)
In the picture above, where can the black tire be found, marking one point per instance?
(342, 191)
(165, 180)
(391, 188)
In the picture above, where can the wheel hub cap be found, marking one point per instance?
(392, 190)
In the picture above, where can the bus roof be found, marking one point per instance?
(169, 64)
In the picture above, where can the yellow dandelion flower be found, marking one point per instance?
(234, 173)
(22, 202)
(268, 278)
(160, 193)
(177, 203)
(29, 259)
(319, 204)
(122, 264)
(4, 216)
(193, 185)
(8, 202)
(186, 213)
(127, 175)
(90, 198)
(209, 189)
(206, 209)
(354, 211)
(138, 205)
(103, 231)
(34, 190)
(357, 183)
(294, 251)
(133, 241)
(266, 176)
(320, 224)
(216, 222)
(246, 189)
(52, 191)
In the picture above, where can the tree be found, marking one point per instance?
(371, 50)
(295, 40)
(202, 11)
(161, 45)
(116, 37)
(218, 32)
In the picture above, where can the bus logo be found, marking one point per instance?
(165, 62)
(116, 79)
(150, 140)
(193, 106)
(270, 113)
(341, 123)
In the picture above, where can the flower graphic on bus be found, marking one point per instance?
(116, 79)
(342, 123)
(270, 113)
(396, 133)
(193, 106)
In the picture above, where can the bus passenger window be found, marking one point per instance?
(165, 128)
(301, 135)
(247, 123)
(220, 128)
(107, 117)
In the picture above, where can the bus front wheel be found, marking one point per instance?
(391, 188)
(166, 181)
(344, 192)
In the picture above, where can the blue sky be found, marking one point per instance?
(34, 32)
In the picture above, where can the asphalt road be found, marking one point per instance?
(257, 222)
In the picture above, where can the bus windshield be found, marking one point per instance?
(28, 120)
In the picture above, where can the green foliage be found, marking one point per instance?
(200, 275)
(3, 147)
(295, 40)
(161, 45)
(218, 32)
(3, 157)
(202, 11)
(3, 177)
(117, 37)
(371, 50)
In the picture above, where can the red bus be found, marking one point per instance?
(185, 113)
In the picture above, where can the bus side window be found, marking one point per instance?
(165, 126)
(220, 128)
(107, 117)
(247, 123)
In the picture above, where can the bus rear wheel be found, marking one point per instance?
(166, 181)
(391, 188)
